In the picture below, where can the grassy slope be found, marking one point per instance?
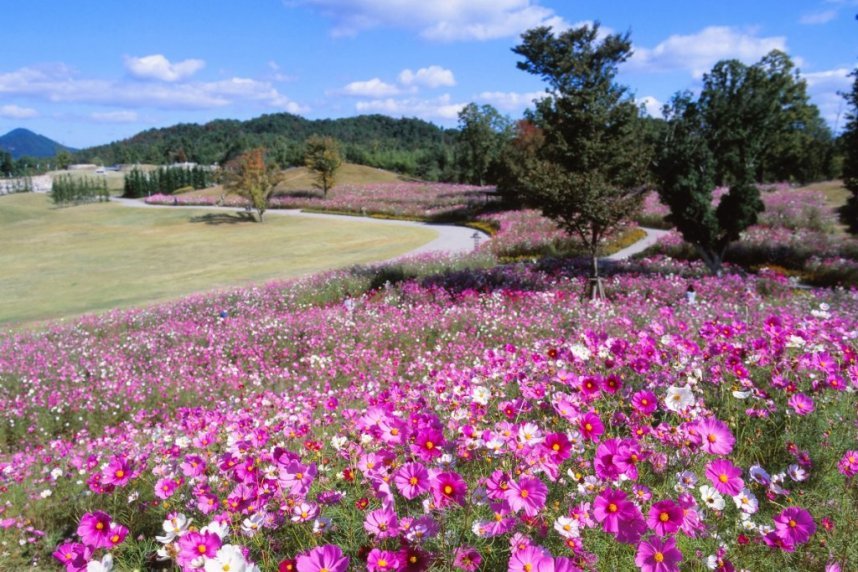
(836, 196)
(61, 262)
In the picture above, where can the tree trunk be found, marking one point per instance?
(711, 258)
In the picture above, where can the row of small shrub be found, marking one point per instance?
(166, 180)
(68, 190)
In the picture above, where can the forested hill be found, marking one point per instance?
(404, 145)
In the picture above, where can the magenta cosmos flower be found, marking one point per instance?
(716, 437)
(645, 402)
(528, 494)
(610, 507)
(801, 404)
(529, 559)
(328, 558)
(428, 444)
(794, 525)
(94, 529)
(73, 555)
(195, 545)
(665, 517)
(412, 480)
(382, 523)
(658, 555)
(382, 561)
(848, 464)
(448, 488)
(118, 472)
(591, 426)
(467, 558)
(725, 477)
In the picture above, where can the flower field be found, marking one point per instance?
(440, 415)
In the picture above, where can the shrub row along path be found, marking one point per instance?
(452, 239)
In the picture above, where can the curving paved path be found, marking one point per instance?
(452, 239)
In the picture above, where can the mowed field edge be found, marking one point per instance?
(60, 262)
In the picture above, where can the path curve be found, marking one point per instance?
(652, 236)
(451, 239)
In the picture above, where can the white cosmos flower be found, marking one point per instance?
(678, 398)
(567, 527)
(711, 498)
(746, 501)
(797, 473)
(481, 394)
(530, 434)
(228, 559)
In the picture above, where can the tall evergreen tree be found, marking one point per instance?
(587, 165)
(849, 140)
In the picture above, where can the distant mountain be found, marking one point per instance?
(24, 143)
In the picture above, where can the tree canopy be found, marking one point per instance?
(580, 156)
(254, 180)
(323, 159)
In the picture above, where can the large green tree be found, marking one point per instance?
(581, 157)
(726, 137)
(482, 133)
(323, 158)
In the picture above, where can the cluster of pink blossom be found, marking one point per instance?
(475, 420)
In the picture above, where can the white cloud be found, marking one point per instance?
(58, 83)
(824, 88)
(160, 68)
(822, 17)
(115, 116)
(829, 79)
(438, 108)
(16, 112)
(431, 77)
(510, 100)
(651, 105)
(698, 52)
(447, 20)
(370, 88)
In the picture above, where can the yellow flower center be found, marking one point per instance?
(299, 476)
(394, 431)
(664, 517)
(524, 494)
(556, 446)
(201, 548)
(120, 473)
(792, 523)
(430, 445)
(658, 557)
(613, 507)
(644, 401)
(382, 563)
(711, 438)
(448, 490)
(723, 478)
(99, 525)
(412, 481)
(528, 567)
(588, 426)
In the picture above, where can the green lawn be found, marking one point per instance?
(57, 262)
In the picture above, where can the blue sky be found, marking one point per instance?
(93, 71)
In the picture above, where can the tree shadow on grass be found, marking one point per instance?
(224, 218)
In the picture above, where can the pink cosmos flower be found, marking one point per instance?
(412, 480)
(448, 488)
(557, 446)
(193, 466)
(848, 464)
(94, 529)
(716, 437)
(196, 546)
(725, 477)
(383, 561)
(428, 444)
(118, 472)
(117, 534)
(773, 540)
(529, 559)
(73, 555)
(658, 555)
(590, 426)
(497, 485)
(207, 502)
(665, 517)
(645, 402)
(605, 463)
(381, 523)
(528, 494)
(165, 487)
(328, 558)
(794, 525)
(801, 404)
(467, 558)
(297, 477)
(610, 507)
